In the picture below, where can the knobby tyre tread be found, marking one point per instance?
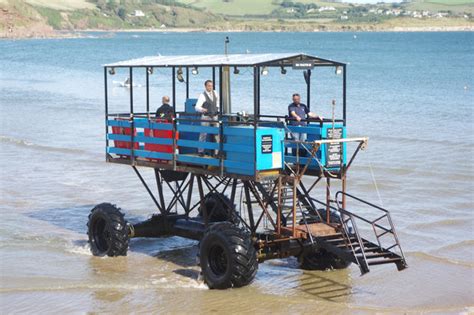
(107, 231)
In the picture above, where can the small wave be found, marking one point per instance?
(461, 244)
(187, 284)
(439, 259)
(25, 143)
(440, 223)
(79, 249)
(432, 141)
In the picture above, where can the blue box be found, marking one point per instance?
(331, 156)
(189, 107)
(247, 151)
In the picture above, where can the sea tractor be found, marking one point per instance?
(255, 193)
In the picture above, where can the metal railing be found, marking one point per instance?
(375, 223)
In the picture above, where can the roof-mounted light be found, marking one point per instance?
(236, 70)
(112, 71)
(283, 70)
(179, 75)
(338, 70)
(149, 70)
(264, 71)
(195, 71)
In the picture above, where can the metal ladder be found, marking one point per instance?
(350, 245)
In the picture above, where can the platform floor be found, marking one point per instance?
(316, 230)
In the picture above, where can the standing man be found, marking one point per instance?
(208, 105)
(297, 113)
(165, 111)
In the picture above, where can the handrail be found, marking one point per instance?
(390, 230)
(360, 200)
(328, 141)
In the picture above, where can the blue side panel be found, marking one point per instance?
(198, 129)
(118, 123)
(245, 153)
(140, 138)
(198, 144)
(239, 150)
(189, 107)
(318, 132)
(269, 146)
(141, 153)
(331, 154)
(197, 160)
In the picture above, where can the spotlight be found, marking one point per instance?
(283, 70)
(179, 75)
(195, 71)
(338, 70)
(236, 70)
(112, 71)
(264, 71)
(150, 70)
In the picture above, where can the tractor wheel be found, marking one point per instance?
(107, 231)
(322, 260)
(227, 256)
(217, 209)
(334, 217)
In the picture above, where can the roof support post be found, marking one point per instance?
(214, 77)
(106, 110)
(258, 94)
(344, 87)
(221, 96)
(131, 90)
(147, 93)
(308, 90)
(187, 82)
(132, 122)
(256, 111)
(173, 69)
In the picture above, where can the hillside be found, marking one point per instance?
(46, 18)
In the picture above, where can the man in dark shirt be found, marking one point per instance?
(298, 113)
(165, 111)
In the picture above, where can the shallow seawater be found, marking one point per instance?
(410, 93)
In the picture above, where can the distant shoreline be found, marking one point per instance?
(64, 34)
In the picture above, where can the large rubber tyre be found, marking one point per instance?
(217, 209)
(322, 260)
(227, 256)
(107, 231)
(334, 217)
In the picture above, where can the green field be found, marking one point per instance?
(456, 6)
(449, 2)
(240, 7)
(247, 7)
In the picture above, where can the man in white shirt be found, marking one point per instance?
(208, 105)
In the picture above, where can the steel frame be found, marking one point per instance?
(274, 242)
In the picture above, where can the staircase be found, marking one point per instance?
(347, 242)
(350, 245)
(270, 191)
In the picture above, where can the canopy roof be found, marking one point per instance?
(281, 59)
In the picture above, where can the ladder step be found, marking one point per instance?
(348, 245)
(384, 261)
(333, 236)
(378, 255)
(367, 249)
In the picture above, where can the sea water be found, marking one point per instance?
(410, 93)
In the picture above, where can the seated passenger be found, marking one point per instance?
(165, 111)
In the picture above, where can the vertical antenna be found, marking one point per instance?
(226, 42)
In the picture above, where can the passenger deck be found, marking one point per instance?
(246, 150)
